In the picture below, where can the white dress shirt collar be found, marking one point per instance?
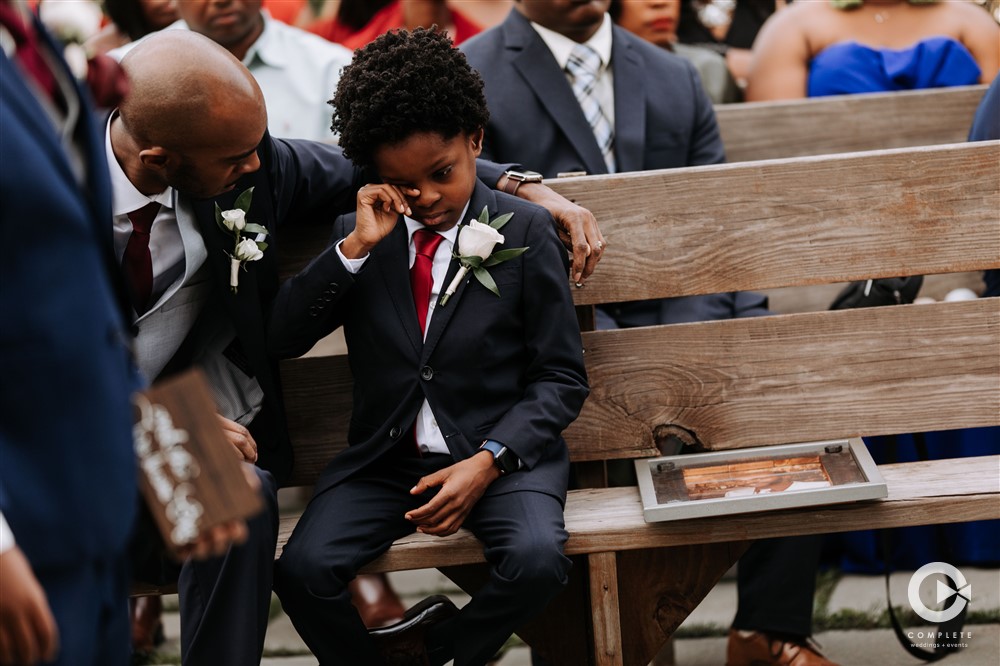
(125, 197)
(561, 46)
(267, 48)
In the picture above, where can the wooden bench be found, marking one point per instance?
(740, 383)
(843, 124)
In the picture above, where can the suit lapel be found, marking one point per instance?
(481, 196)
(536, 65)
(392, 256)
(630, 103)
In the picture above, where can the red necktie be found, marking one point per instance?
(28, 54)
(425, 242)
(137, 264)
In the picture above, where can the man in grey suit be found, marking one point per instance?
(570, 92)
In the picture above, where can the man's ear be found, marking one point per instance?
(156, 158)
(477, 141)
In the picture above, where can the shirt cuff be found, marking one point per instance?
(6, 536)
(353, 266)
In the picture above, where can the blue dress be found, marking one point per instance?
(847, 68)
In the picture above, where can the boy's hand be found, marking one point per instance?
(243, 443)
(379, 208)
(462, 484)
(28, 632)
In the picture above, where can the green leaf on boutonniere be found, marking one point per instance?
(243, 201)
(254, 228)
(261, 246)
(486, 279)
(503, 255)
(484, 216)
(500, 220)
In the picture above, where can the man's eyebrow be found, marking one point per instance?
(245, 155)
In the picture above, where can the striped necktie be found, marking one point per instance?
(583, 66)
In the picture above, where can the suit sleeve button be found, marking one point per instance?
(427, 373)
(395, 432)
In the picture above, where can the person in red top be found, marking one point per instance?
(350, 28)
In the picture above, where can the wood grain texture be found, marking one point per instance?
(603, 569)
(847, 123)
(791, 378)
(660, 587)
(610, 519)
(800, 221)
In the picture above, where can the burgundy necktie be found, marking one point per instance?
(28, 53)
(137, 264)
(425, 242)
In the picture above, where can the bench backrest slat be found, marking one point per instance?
(800, 221)
(846, 123)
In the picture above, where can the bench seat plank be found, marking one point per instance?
(610, 519)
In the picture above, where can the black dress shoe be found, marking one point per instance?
(402, 644)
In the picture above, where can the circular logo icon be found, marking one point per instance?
(962, 592)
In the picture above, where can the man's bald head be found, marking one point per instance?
(183, 86)
(193, 118)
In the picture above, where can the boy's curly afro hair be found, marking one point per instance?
(405, 83)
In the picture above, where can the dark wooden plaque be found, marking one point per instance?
(188, 474)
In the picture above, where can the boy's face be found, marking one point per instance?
(444, 170)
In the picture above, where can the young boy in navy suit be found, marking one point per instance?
(459, 402)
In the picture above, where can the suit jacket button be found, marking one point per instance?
(427, 373)
(333, 287)
(395, 432)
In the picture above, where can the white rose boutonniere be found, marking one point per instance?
(234, 222)
(476, 241)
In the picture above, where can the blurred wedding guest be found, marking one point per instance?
(841, 47)
(68, 491)
(131, 20)
(293, 12)
(986, 127)
(297, 71)
(358, 22)
(728, 27)
(656, 22)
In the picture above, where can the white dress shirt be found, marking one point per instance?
(165, 246)
(561, 47)
(429, 437)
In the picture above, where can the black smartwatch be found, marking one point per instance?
(515, 178)
(503, 458)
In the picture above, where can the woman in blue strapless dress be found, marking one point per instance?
(812, 49)
(824, 48)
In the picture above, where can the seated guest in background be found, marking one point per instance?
(358, 22)
(433, 450)
(296, 71)
(986, 127)
(728, 27)
(656, 22)
(855, 46)
(131, 20)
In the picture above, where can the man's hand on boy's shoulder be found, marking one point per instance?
(462, 484)
(576, 226)
(379, 208)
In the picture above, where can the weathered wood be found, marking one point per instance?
(736, 383)
(791, 378)
(610, 519)
(847, 123)
(660, 587)
(801, 221)
(604, 609)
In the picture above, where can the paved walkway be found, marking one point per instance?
(864, 595)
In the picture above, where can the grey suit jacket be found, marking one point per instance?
(663, 119)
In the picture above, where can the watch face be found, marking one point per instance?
(506, 461)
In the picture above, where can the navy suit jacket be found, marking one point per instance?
(663, 119)
(508, 368)
(67, 466)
